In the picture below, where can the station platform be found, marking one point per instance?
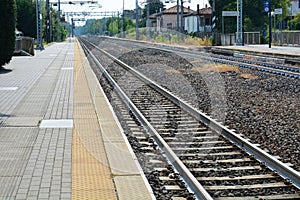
(288, 54)
(59, 137)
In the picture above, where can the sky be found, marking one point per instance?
(111, 5)
(117, 5)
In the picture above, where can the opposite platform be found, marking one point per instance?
(289, 55)
(52, 144)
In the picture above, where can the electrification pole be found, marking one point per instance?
(181, 18)
(148, 22)
(177, 27)
(48, 21)
(270, 25)
(137, 20)
(239, 32)
(123, 19)
(39, 25)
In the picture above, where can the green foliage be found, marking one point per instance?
(154, 7)
(108, 26)
(26, 20)
(7, 30)
(26, 17)
(59, 31)
(296, 22)
(254, 16)
(113, 27)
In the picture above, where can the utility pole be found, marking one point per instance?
(39, 25)
(239, 32)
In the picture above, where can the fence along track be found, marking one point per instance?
(211, 149)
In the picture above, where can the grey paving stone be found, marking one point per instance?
(54, 197)
(33, 193)
(21, 196)
(23, 191)
(43, 195)
(34, 187)
(32, 198)
(65, 195)
(32, 152)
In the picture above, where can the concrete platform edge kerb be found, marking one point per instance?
(95, 87)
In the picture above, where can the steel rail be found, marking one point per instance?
(272, 162)
(189, 178)
(267, 67)
(280, 70)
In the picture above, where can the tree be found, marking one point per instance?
(26, 17)
(7, 30)
(155, 6)
(296, 22)
(253, 10)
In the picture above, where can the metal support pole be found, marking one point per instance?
(177, 27)
(239, 32)
(270, 27)
(137, 20)
(39, 25)
(223, 27)
(118, 24)
(181, 18)
(123, 18)
(148, 22)
(281, 38)
(58, 7)
(48, 21)
(213, 20)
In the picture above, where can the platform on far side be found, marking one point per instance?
(289, 54)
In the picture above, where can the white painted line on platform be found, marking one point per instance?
(52, 55)
(57, 123)
(8, 88)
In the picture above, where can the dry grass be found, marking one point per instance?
(172, 71)
(206, 41)
(249, 76)
(270, 79)
(248, 57)
(215, 68)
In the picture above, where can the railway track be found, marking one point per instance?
(279, 69)
(214, 161)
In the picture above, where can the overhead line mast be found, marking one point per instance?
(239, 32)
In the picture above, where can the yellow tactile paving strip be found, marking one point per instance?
(91, 175)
